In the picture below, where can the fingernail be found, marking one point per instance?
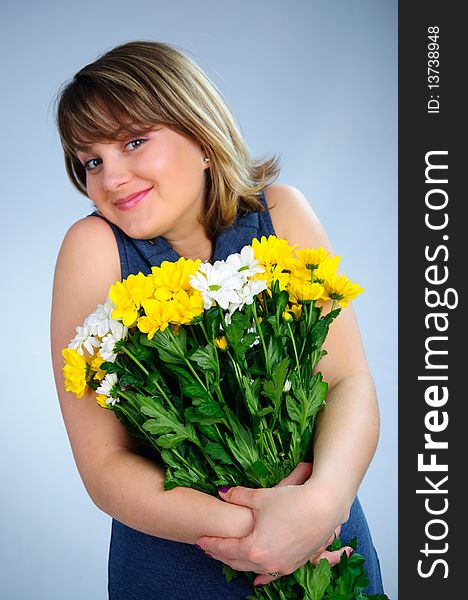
(197, 546)
(224, 489)
(349, 551)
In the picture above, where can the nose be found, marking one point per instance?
(114, 174)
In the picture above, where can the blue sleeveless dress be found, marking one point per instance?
(144, 567)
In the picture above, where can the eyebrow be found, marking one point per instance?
(80, 148)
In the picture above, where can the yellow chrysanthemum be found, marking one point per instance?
(327, 269)
(295, 310)
(157, 316)
(275, 273)
(340, 288)
(303, 291)
(129, 295)
(95, 364)
(311, 258)
(74, 372)
(172, 277)
(101, 399)
(186, 307)
(221, 342)
(273, 252)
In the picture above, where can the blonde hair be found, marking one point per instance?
(142, 84)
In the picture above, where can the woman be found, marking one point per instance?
(150, 141)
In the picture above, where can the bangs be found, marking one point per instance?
(91, 112)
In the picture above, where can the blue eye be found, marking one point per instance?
(89, 166)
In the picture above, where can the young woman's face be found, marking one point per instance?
(150, 185)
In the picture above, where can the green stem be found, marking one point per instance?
(203, 328)
(218, 367)
(262, 340)
(188, 465)
(186, 361)
(135, 359)
(294, 348)
(136, 424)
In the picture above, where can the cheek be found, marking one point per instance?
(90, 189)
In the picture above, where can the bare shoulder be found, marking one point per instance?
(88, 259)
(87, 264)
(294, 218)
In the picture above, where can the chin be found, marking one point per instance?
(139, 230)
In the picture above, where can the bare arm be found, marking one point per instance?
(348, 428)
(119, 480)
(344, 443)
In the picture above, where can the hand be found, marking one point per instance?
(281, 540)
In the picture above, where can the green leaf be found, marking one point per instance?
(317, 579)
(250, 389)
(129, 380)
(155, 382)
(171, 440)
(260, 468)
(293, 409)
(229, 573)
(112, 367)
(239, 341)
(310, 398)
(190, 386)
(265, 411)
(212, 319)
(203, 422)
(273, 389)
(217, 452)
(244, 449)
(209, 408)
(205, 358)
(165, 422)
(171, 349)
(319, 330)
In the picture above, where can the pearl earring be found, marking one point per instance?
(206, 159)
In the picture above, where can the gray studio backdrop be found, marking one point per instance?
(314, 81)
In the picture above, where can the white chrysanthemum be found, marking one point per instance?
(84, 338)
(117, 332)
(247, 294)
(217, 283)
(99, 322)
(106, 387)
(245, 263)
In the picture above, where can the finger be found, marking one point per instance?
(333, 536)
(238, 565)
(240, 495)
(333, 557)
(229, 547)
(263, 580)
(298, 475)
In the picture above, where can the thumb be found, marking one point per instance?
(239, 495)
(299, 475)
(334, 556)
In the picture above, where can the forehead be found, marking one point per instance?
(122, 133)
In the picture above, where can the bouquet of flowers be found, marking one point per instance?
(214, 368)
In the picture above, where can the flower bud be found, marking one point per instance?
(221, 342)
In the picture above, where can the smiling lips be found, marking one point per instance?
(131, 200)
